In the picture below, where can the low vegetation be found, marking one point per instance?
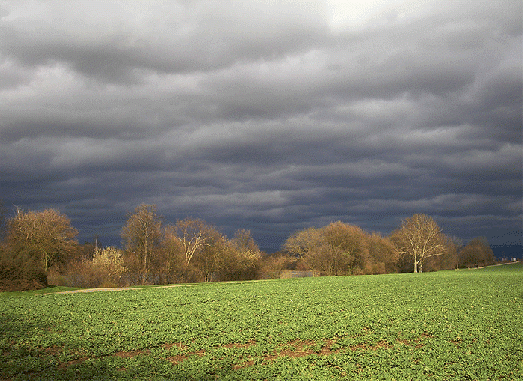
(461, 324)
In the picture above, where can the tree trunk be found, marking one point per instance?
(46, 262)
(144, 271)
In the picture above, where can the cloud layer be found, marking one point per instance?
(272, 116)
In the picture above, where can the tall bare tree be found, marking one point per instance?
(173, 256)
(245, 259)
(383, 254)
(303, 242)
(336, 249)
(141, 236)
(212, 260)
(194, 235)
(351, 240)
(48, 235)
(420, 238)
(450, 259)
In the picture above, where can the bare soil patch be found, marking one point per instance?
(97, 289)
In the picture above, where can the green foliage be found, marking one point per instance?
(445, 325)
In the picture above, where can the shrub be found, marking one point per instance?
(20, 272)
(104, 270)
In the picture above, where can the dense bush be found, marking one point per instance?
(476, 253)
(342, 249)
(20, 272)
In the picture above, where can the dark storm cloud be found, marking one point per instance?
(269, 116)
(109, 41)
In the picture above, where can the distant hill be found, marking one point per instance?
(507, 251)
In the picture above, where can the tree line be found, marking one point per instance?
(41, 248)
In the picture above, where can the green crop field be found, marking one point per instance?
(463, 325)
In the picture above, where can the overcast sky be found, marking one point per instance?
(272, 116)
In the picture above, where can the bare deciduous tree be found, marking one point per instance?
(245, 244)
(336, 249)
(109, 262)
(142, 235)
(383, 254)
(476, 253)
(245, 257)
(351, 241)
(173, 256)
(194, 235)
(48, 235)
(303, 242)
(419, 237)
(212, 260)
